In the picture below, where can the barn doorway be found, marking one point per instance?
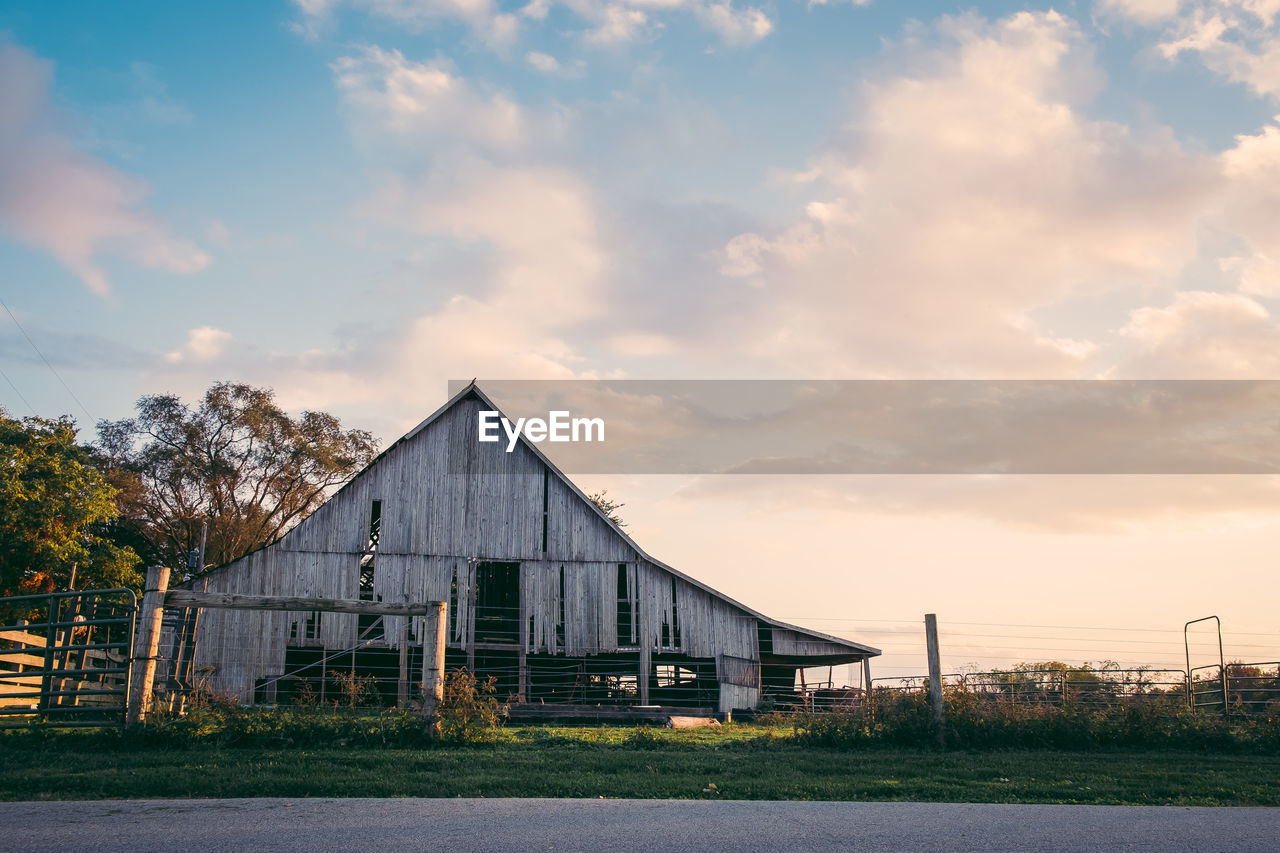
(497, 602)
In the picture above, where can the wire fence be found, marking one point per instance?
(1088, 666)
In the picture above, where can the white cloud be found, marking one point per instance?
(1203, 335)
(425, 102)
(63, 201)
(204, 344)
(607, 22)
(614, 23)
(1141, 11)
(971, 190)
(484, 18)
(535, 225)
(1237, 39)
(735, 26)
(544, 62)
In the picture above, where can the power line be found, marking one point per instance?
(46, 364)
(908, 623)
(16, 391)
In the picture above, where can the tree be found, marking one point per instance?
(608, 507)
(56, 509)
(236, 461)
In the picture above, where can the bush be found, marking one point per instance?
(976, 721)
(287, 727)
(469, 710)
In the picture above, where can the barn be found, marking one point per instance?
(543, 592)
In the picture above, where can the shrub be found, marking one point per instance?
(469, 710)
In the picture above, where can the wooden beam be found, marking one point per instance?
(236, 601)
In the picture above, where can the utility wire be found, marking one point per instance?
(46, 363)
(16, 391)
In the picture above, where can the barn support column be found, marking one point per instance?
(643, 674)
(402, 686)
(433, 657)
(866, 676)
(522, 689)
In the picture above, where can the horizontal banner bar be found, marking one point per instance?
(970, 427)
(236, 601)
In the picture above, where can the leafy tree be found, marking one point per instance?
(607, 506)
(235, 460)
(56, 510)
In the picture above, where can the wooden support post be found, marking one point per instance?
(434, 626)
(935, 674)
(645, 667)
(142, 669)
(866, 677)
(402, 686)
(522, 689)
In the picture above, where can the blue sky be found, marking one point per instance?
(354, 201)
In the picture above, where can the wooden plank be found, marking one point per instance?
(237, 601)
(23, 638)
(19, 659)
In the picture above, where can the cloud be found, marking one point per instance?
(426, 102)
(607, 22)
(58, 199)
(534, 227)
(734, 26)
(614, 23)
(484, 18)
(970, 190)
(203, 344)
(154, 100)
(1237, 39)
(544, 62)
(1140, 11)
(1203, 335)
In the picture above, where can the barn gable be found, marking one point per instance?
(528, 564)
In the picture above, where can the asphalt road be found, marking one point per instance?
(211, 826)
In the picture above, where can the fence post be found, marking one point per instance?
(935, 674)
(142, 669)
(434, 626)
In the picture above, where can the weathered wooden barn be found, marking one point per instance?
(543, 590)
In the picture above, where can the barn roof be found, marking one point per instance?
(472, 390)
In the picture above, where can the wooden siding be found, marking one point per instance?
(786, 643)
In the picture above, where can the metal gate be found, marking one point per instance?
(64, 658)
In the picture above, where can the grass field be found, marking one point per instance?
(733, 762)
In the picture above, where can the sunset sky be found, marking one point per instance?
(354, 202)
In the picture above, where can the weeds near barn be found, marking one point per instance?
(469, 709)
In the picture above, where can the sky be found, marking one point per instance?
(354, 201)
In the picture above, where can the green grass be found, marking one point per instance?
(742, 761)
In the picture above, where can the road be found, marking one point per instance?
(212, 826)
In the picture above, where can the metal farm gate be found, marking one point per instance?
(65, 656)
